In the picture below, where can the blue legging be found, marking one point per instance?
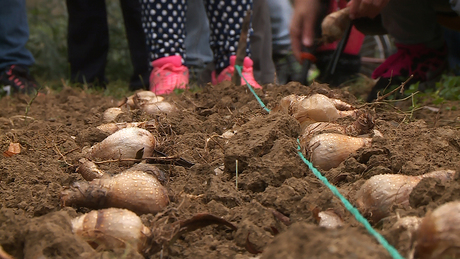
(164, 25)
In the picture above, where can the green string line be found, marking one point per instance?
(238, 68)
(393, 252)
(354, 211)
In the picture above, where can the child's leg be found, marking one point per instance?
(226, 19)
(164, 25)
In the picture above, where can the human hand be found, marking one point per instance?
(302, 27)
(366, 8)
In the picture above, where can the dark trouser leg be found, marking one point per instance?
(88, 40)
(261, 43)
(164, 25)
(137, 46)
(225, 20)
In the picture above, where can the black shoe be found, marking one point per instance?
(19, 80)
(287, 68)
(347, 68)
(139, 82)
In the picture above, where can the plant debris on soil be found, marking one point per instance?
(272, 202)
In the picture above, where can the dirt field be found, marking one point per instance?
(272, 179)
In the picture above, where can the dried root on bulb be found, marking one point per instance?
(328, 150)
(125, 143)
(89, 170)
(334, 25)
(112, 228)
(380, 193)
(314, 108)
(132, 189)
(439, 233)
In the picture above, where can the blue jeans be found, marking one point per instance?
(14, 33)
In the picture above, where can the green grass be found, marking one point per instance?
(48, 44)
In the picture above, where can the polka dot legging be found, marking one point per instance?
(164, 25)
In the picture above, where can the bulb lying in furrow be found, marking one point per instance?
(150, 169)
(315, 108)
(328, 218)
(124, 143)
(328, 150)
(154, 108)
(150, 103)
(112, 228)
(90, 171)
(380, 192)
(111, 114)
(139, 97)
(143, 97)
(439, 233)
(132, 189)
(111, 128)
(408, 223)
(362, 125)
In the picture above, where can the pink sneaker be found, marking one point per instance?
(247, 72)
(168, 74)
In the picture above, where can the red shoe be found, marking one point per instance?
(426, 64)
(247, 72)
(168, 74)
(418, 60)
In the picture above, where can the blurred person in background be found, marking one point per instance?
(88, 42)
(199, 54)
(199, 58)
(287, 67)
(452, 38)
(15, 58)
(421, 49)
(164, 24)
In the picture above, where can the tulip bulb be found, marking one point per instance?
(334, 25)
(132, 189)
(112, 228)
(380, 192)
(439, 233)
(329, 219)
(314, 108)
(154, 108)
(142, 97)
(328, 150)
(111, 114)
(111, 128)
(149, 103)
(363, 124)
(124, 143)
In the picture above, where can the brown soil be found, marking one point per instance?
(272, 177)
